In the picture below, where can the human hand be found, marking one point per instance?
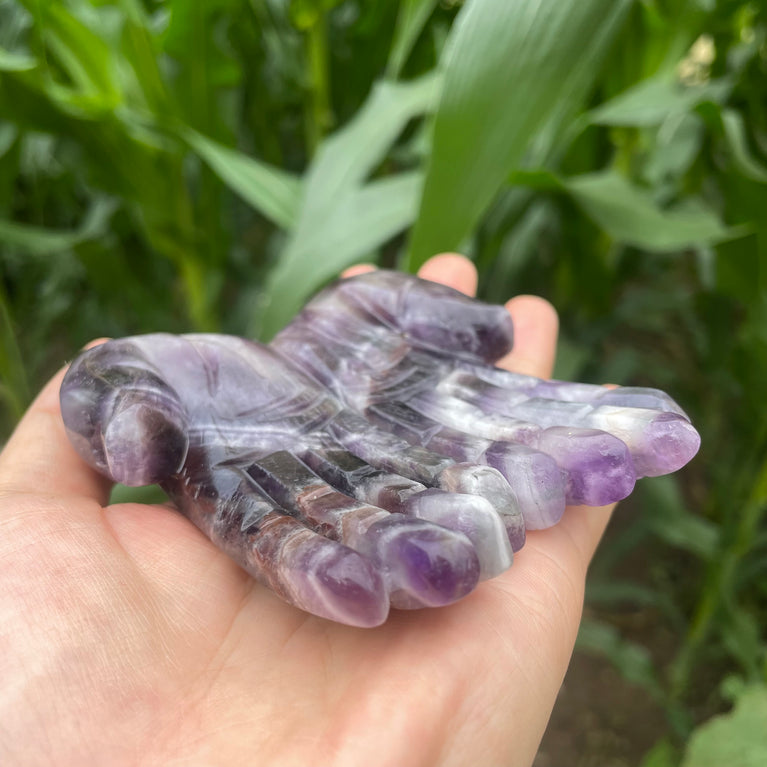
(127, 638)
(308, 460)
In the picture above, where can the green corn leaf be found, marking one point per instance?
(566, 120)
(346, 158)
(735, 133)
(630, 215)
(269, 190)
(372, 215)
(413, 15)
(508, 66)
(653, 101)
(359, 223)
(340, 219)
(677, 146)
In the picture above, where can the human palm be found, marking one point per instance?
(127, 638)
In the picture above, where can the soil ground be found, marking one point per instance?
(600, 720)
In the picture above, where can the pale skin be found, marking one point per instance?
(127, 639)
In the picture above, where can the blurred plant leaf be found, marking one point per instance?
(204, 63)
(148, 494)
(519, 247)
(651, 102)
(571, 357)
(737, 739)
(8, 135)
(381, 209)
(662, 754)
(375, 213)
(14, 388)
(360, 222)
(269, 190)
(536, 178)
(43, 241)
(140, 49)
(630, 215)
(15, 62)
(86, 57)
(306, 13)
(614, 592)
(677, 145)
(735, 133)
(350, 154)
(507, 68)
(632, 660)
(566, 120)
(742, 637)
(668, 518)
(413, 15)
(329, 235)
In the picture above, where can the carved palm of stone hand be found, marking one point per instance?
(416, 358)
(359, 487)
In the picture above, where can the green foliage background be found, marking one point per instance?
(207, 165)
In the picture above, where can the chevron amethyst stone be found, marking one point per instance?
(372, 455)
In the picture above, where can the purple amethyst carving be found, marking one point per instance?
(372, 455)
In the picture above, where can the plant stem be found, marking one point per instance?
(318, 106)
(15, 389)
(198, 306)
(719, 583)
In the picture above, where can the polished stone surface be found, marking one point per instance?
(372, 455)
